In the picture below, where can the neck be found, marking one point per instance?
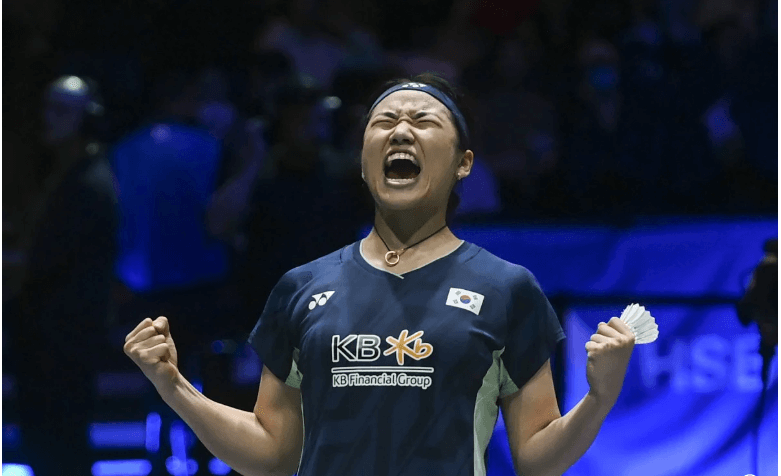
(405, 228)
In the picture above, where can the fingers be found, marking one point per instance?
(143, 335)
(155, 354)
(608, 330)
(619, 325)
(592, 346)
(161, 324)
(139, 345)
(141, 326)
(600, 339)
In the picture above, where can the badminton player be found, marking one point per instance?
(393, 355)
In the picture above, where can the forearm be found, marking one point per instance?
(232, 435)
(555, 448)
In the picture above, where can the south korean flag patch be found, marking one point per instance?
(469, 300)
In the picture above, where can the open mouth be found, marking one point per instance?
(401, 167)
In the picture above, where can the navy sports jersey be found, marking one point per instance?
(400, 374)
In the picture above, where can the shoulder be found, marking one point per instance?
(503, 274)
(316, 269)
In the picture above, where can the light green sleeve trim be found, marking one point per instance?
(506, 384)
(295, 376)
(486, 413)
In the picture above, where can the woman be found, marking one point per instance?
(392, 354)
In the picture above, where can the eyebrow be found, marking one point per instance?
(417, 115)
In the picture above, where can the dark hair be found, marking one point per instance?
(464, 143)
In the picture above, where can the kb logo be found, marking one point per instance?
(366, 347)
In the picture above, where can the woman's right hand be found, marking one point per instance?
(152, 348)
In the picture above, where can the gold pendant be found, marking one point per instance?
(389, 258)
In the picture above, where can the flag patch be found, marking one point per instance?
(465, 299)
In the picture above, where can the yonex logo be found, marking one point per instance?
(416, 85)
(320, 299)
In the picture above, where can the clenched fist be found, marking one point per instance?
(609, 351)
(151, 347)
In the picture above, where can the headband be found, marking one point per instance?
(437, 94)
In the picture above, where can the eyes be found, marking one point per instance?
(387, 122)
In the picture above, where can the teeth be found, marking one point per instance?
(401, 155)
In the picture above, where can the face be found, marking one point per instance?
(409, 157)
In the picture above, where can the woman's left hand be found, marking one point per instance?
(609, 351)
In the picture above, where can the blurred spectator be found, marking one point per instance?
(167, 171)
(598, 150)
(59, 322)
(299, 33)
(305, 204)
(518, 128)
(452, 45)
(268, 71)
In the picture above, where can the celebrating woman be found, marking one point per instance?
(392, 355)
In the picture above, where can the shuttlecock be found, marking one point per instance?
(641, 322)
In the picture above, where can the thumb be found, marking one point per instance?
(161, 325)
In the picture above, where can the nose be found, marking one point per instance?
(401, 134)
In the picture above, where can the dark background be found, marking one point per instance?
(599, 112)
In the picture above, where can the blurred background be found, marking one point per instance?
(171, 157)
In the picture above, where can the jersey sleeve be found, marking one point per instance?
(274, 338)
(532, 334)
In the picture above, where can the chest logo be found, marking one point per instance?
(320, 299)
(399, 346)
(465, 299)
(366, 347)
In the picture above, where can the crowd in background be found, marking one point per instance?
(231, 137)
(233, 130)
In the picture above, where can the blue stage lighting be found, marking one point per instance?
(130, 467)
(117, 435)
(153, 422)
(218, 467)
(176, 468)
(11, 436)
(17, 470)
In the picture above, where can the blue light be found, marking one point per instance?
(117, 435)
(218, 467)
(153, 422)
(175, 467)
(17, 470)
(129, 467)
(179, 450)
(218, 346)
(246, 368)
(11, 438)
(198, 385)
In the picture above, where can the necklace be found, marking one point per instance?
(393, 257)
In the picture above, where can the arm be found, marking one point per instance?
(264, 443)
(544, 443)
(541, 441)
(267, 442)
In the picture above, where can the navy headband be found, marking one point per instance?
(436, 93)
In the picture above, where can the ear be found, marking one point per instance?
(465, 165)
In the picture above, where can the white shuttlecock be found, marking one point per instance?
(641, 322)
